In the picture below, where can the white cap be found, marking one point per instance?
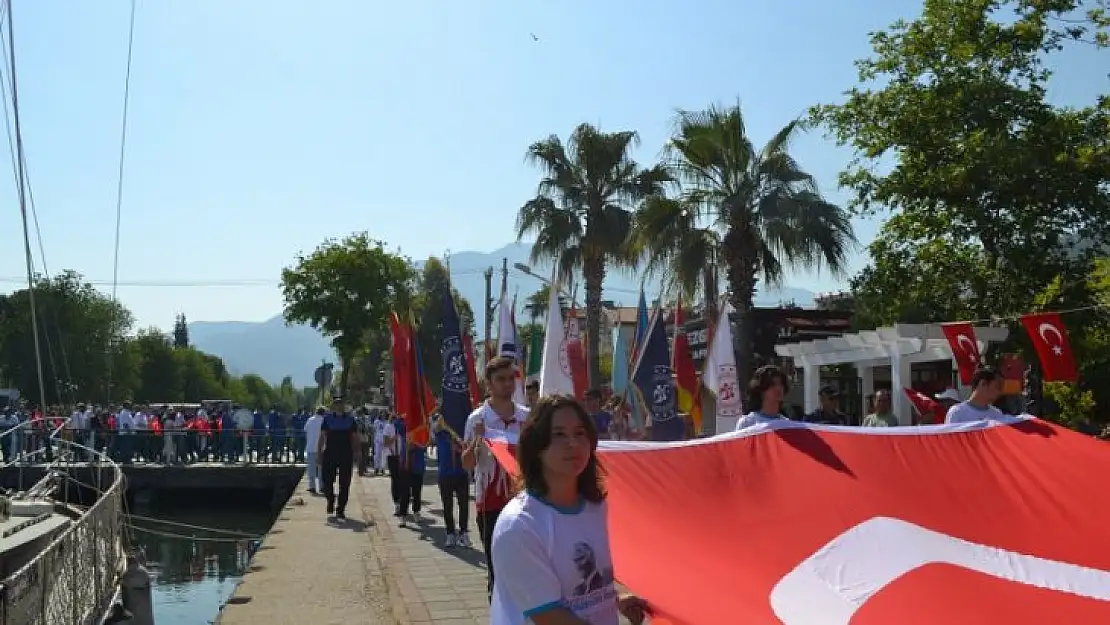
(950, 394)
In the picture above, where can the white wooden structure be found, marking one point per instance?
(897, 347)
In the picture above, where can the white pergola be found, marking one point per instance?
(897, 347)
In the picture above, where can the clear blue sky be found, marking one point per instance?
(258, 129)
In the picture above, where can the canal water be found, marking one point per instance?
(194, 571)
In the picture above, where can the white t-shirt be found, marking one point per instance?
(754, 418)
(964, 412)
(125, 421)
(491, 483)
(548, 557)
(379, 431)
(388, 431)
(312, 433)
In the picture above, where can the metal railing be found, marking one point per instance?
(73, 580)
(169, 448)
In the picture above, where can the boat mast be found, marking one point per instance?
(21, 182)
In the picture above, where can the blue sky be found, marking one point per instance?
(258, 129)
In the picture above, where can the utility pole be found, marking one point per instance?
(504, 276)
(488, 274)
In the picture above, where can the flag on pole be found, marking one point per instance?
(401, 351)
(508, 343)
(576, 355)
(472, 371)
(555, 376)
(686, 377)
(653, 382)
(535, 358)
(719, 374)
(455, 406)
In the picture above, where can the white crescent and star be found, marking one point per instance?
(1057, 346)
(968, 346)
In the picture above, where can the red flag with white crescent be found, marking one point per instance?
(1050, 339)
(999, 522)
(927, 408)
(961, 338)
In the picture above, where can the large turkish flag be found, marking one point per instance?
(999, 523)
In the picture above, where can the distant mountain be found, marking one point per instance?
(270, 348)
(273, 350)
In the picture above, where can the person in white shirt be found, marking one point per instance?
(312, 442)
(125, 426)
(381, 425)
(986, 388)
(765, 394)
(551, 542)
(492, 484)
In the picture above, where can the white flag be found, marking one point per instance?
(719, 374)
(555, 378)
(508, 343)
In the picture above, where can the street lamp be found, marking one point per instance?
(526, 270)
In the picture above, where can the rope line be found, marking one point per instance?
(119, 179)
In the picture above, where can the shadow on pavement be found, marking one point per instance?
(437, 535)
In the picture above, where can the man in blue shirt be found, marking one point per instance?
(454, 486)
(275, 424)
(296, 427)
(337, 451)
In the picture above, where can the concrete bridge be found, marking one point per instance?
(148, 484)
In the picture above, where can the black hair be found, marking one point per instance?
(594, 393)
(535, 438)
(984, 375)
(763, 379)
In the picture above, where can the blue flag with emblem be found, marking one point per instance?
(653, 383)
(455, 402)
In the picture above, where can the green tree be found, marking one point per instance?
(581, 216)
(952, 130)
(536, 304)
(346, 289)
(199, 379)
(160, 378)
(180, 332)
(78, 327)
(754, 213)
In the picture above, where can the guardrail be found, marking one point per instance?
(172, 447)
(73, 580)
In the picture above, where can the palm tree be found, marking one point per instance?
(536, 303)
(740, 213)
(581, 216)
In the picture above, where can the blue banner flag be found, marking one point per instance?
(455, 403)
(654, 383)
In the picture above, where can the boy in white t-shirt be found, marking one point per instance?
(986, 388)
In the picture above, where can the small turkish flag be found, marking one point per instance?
(961, 338)
(1051, 340)
(926, 406)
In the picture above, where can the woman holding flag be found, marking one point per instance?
(551, 542)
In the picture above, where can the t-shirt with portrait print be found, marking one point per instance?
(550, 557)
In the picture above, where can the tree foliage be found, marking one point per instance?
(581, 216)
(346, 289)
(952, 130)
(77, 327)
(753, 213)
(433, 285)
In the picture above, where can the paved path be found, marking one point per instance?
(369, 571)
(429, 585)
(311, 571)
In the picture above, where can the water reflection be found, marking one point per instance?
(194, 571)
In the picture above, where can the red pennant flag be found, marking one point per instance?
(471, 371)
(401, 347)
(1050, 338)
(841, 538)
(926, 406)
(961, 338)
(686, 377)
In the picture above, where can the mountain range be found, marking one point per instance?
(274, 350)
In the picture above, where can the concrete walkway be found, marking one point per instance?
(369, 571)
(429, 585)
(311, 571)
